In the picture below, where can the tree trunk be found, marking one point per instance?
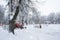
(11, 22)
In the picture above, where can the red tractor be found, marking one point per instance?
(18, 25)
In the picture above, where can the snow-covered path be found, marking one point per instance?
(48, 32)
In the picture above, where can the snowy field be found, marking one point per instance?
(47, 32)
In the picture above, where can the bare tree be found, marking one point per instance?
(21, 6)
(1, 13)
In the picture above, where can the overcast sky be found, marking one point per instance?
(49, 6)
(46, 7)
(3, 2)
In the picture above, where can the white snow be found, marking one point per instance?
(47, 32)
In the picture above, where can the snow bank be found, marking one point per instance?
(47, 32)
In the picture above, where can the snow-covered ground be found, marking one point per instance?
(47, 32)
